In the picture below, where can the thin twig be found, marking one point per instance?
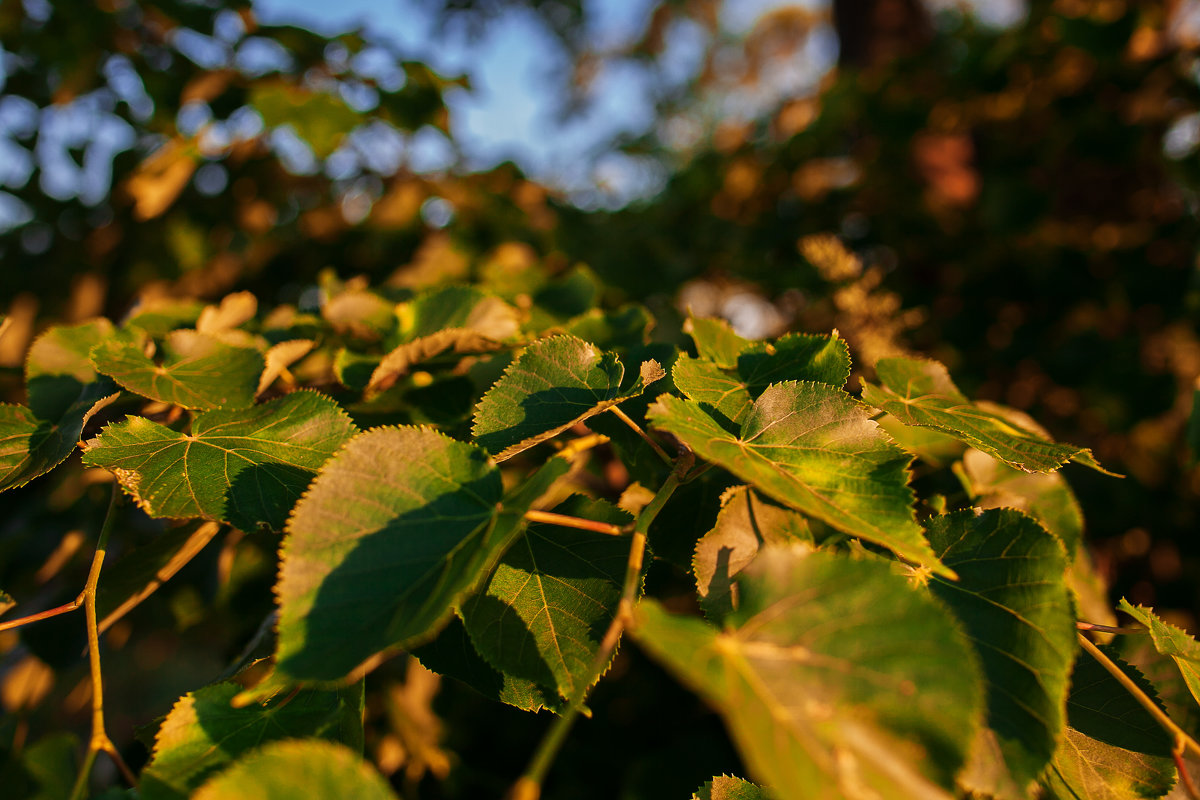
(1184, 777)
(550, 518)
(99, 740)
(529, 786)
(1182, 739)
(655, 446)
(1096, 626)
(41, 615)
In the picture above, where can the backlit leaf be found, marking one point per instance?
(245, 466)
(304, 769)
(813, 448)
(204, 733)
(197, 371)
(1045, 496)
(543, 611)
(746, 522)
(1172, 642)
(57, 368)
(30, 447)
(555, 383)
(1012, 598)
(832, 678)
(918, 392)
(396, 527)
(716, 341)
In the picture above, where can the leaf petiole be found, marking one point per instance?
(550, 518)
(655, 446)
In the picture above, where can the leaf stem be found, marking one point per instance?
(1096, 626)
(41, 615)
(1182, 740)
(529, 786)
(99, 740)
(550, 518)
(1184, 777)
(655, 446)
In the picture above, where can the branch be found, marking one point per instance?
(550, 518)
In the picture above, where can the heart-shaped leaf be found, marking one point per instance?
(821, 680)
(919, 392)
(245, 466)
(1012, 598)
(813, 448)
(555, 383)
(299, 769)
(204, 733)
(542, 613)
(197, 371)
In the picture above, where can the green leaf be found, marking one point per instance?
(58, 369)
(246, 466)
(395, 528)
(1087, 769)
(197, 371)
(161, 316)
(555, 383)
(832, 677)
(1099, 707)
(933, 447)
(1012, 598)
(745, 523)
(795, 357)
(319, 118)
(813, 448)
(31, 447)
(43, 770)
(724, 787)
(716, 341)
(1045, 496)
(452, 655)
(455, 319)
(298, 770)
(6, 603)
(204, 733)
(624, 327)
(1172, 642)
(918, 392)
(542, 613)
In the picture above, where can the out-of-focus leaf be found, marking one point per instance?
(232, 312)
(306, 769)
(6, 603)
(158, 180)
(745, 523)
(1045, 496)
(918, 392)
(161, 316)
(279, 357)
(44, 770)
(319, 118)
(555, 383)
(197, 371)
(360, 314)
(204, 733)
(57, 368)
(716, 341)
(1012, 598)
(813, 448)
(625, 327)
(819, 681)
(245, 466)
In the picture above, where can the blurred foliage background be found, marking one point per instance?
(1018, 200)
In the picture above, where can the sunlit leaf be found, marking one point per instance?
(305, 769)
(158, 317)
(832, 677)
(395, 528)
(245, 466)
(813, 448)
(555, 383)
(57, 368)
(1172, 642)
(204, 733)
(30, 447)
(724, 787)
(196, 371)
(745, 523)
(716, 341)
(279, 357)
(360, 314)
(233, 311)
(921, 393)
(732, 392)
(1012, 598)
(542, 613)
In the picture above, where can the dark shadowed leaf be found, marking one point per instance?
(813, 448)
(1012, 598)
(555, 383)
(298, 770)
(196, 371)
(821, 682)
(204, 733)
(57, 368)
(246, 467)
(543, 611)
(30, 447)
